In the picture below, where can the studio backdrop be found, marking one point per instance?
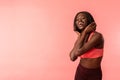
(36, 37)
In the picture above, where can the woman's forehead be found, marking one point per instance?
(81, 15)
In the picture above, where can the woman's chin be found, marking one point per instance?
(81, 28)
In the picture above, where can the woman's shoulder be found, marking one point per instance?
(97, 33)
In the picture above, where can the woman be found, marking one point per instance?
(88, 46)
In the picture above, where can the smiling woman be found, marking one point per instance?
(82, 20)
(36, 37)
(89, 46)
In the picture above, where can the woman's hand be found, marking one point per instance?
(91, 27)
(77, 33)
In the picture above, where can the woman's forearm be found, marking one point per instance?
(78, 44)
(81, 40)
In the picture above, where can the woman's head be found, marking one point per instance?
(81, 20)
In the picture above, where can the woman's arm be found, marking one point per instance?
(78, 44)
(81, 40)
(96, 39)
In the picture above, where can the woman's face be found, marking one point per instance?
(81, 21)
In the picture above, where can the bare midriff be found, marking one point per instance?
(91, 63)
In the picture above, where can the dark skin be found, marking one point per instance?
(81, 45)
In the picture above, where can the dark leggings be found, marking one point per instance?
(83, 73)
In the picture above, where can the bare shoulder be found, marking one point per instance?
(98, 34)
(100, 39)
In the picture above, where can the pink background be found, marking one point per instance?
(36, 37)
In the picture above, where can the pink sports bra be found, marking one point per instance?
(93, 53)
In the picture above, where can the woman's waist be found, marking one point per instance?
(91, 62)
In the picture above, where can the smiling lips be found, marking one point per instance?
(81, 25)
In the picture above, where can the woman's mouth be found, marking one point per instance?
(80, 26)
